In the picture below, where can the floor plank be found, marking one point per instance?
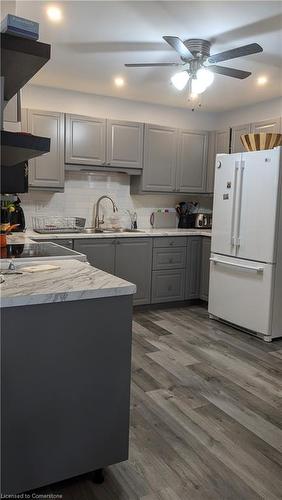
(205, 415)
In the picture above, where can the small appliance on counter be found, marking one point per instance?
(186, 214)
(163, 219)
(203, 221)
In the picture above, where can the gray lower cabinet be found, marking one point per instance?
(169, 258)
(205, 268)
(193, 267)
(46, 171)
(168, 285)
(99, 253)
(192, 161)
(134, 263)
(128, 258)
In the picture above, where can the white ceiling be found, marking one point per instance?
(95, 39)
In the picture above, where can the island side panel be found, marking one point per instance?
(65, 389)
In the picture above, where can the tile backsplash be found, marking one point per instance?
(82, 191)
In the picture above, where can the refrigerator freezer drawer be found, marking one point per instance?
(240, 292)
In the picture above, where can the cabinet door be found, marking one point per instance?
(266, 126)
(134, 264)
(205, 268)
(236, 144)
(222, 139)
(125, 144)
(160, 152)
(85, 140)
(192, 162)
(99, 253)
(46, 171)
(193, 267)
(218, 143)
(168, 285)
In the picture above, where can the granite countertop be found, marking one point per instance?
(74, 280)
(142, 233)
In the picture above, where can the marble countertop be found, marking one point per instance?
(142, 233)
(74, 280)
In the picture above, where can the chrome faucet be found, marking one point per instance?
(98, 222)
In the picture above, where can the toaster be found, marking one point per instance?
(203, 221)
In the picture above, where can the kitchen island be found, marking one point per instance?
(66, 357)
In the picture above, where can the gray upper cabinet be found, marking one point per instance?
(85, 142)
(134, 264)
(46, 171)
(192, 161)
(236, 144)
(273, 125)
(222, 138)
(99, 253)
(125, 144)
(218, 143)
(160, 154)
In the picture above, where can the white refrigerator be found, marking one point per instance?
(246, 248)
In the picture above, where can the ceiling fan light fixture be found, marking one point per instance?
(205, 76)
(197, 87)
(180, 79)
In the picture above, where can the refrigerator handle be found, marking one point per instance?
(239, 206)
(233, 218)
(240, 266)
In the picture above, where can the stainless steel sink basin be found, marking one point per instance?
(92, 230)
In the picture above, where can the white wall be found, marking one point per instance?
(68, 101)
(248, 114)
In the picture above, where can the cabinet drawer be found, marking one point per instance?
(166, 241)
(169, 258)
(168, 286)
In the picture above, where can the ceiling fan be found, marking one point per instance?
(197, 65)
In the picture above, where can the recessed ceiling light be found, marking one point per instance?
(54, 13)
(262, 80)
(119, 81)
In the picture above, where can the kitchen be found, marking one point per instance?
(121, 208)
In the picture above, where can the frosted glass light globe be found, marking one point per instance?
(205, 76)
(180, 79)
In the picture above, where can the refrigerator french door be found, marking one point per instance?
(245, 205)
(244, 239)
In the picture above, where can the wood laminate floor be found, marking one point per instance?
(205, 415)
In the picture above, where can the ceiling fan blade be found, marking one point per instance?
(179, 46)
(245, 50)
(147, 65)
(234, 73)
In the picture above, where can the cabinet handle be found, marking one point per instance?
(171, 244)
(109, 163)
(170, 261)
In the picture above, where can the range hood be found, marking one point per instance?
(97, 168)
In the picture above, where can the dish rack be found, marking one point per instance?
(49, 225)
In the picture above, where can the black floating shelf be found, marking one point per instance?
(21, 58)
(17, 147)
